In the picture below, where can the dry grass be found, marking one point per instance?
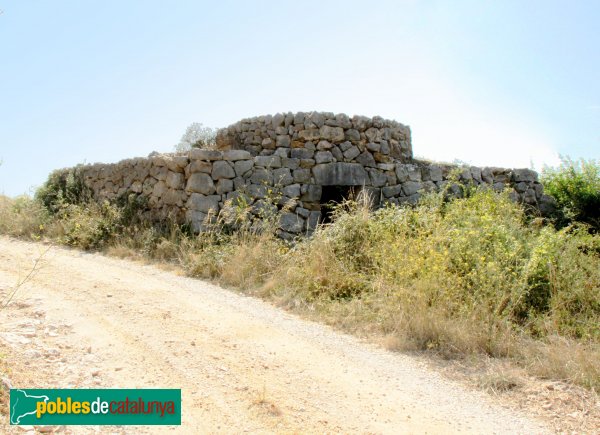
(471, 277)
(21, 217)
(122, 251)
(500, 379)
(560, 358)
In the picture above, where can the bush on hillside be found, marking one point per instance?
(88, 226)
(63, 187)
(477, 260)
(576, 187)
(468, 275)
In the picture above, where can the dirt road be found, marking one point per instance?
(88, 321)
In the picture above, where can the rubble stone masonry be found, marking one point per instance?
(294, 159)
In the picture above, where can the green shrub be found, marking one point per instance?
(576, 187)
(89, 225)
(461, 276)
(475, 267)
(63, 187)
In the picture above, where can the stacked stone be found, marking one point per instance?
(419, 177)
(330, 137)
(285, 161)
(159, 178)
(214, 177)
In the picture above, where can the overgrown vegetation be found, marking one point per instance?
(472, 276)
(575, 185)
(63, 187)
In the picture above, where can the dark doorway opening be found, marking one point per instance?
(331, 196)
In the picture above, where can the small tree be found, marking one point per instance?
(576, 187)
(197, 136)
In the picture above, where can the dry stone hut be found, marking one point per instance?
(305, 160)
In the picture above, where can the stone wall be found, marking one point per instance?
(359, 139)
(291, 160)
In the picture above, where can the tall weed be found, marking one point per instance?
(474, 275)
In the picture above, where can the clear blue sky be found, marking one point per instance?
(501, 83)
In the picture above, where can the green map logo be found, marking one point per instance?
(23, 405)
(95, 406)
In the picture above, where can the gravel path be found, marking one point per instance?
(85, 320)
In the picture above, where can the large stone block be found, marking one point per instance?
(343, 120)
(340, 174)
(268, 161)
(175, 180)
(361, 123)
(224, 186)
(373, 134)
(200, 183)
(476, 174)
(374, 147)
(159, 189)
(177, 163)
(173, 197)
(351, 153)
(521, 187)
(487, 175)
(291, 163)
(332, 134)
(262, 176)
(291, 222)
(311, 192)
(200, 166)
(378, 178)
(292, 191)
(283, 141)
(432, 173)
(310, 134)
(222, 169)
(352, 135)
(257, 191)
(268, 143)
(315, 118)
(301, 175)
(323, 157)
(526, 175)
(414, 173)
(324, 145)
(197, 219)
(234, 155)
(161, 173)
(136, 186)
(337, 153)
(307, 163)
(283, 153)
(529, 197)
(204, 204)
(200, 154)
(302, 153)
(243, 166)
(411, 187)
(392, 191)
(277, 120)
(282, 177)
(366, 159)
